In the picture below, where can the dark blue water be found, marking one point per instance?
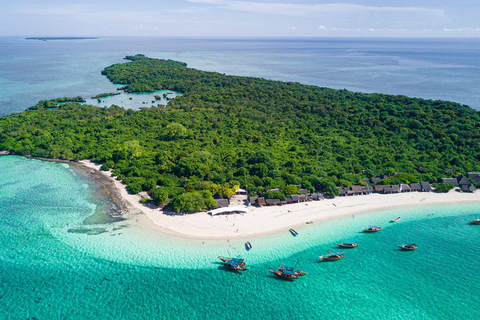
(447, 69)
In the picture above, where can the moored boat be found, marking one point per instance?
(293, 232)
(408, 247)
(248, 245)
(234, 263)
(372, 229)
(395, 220)
(347, 244)
(476, 221)
(288, 273)
(332, 256)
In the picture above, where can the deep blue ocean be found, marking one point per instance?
(446, 69)
(62, 258)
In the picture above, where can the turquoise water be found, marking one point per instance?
(121, 270)
(444, 69)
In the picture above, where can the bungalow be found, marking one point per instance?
(295, 198)
(387, 189)
(273, 190)
(426, 187)
(314, 196)
(261, 201)
(475, 176)
(468, 188)
(321, 196)
(357, 190)
(302, 191)
(221, 203)
(396, 188)
(462, 180)
(379, 188)
(272, 202)
(453, 181)
(302, 198)
(405, 188)
(415, 186)
(366, 181)
(288, 200)
(253, 200)
(375, 180)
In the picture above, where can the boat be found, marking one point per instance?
(476, 221)
(395, 220)
(408, 247)
(288, 273)
(333, 256)
(234, 263)
(347, 244)
(248, 245)
(372, 229)
(309, 222)
(293, 232)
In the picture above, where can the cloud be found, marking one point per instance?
(63, 10)
(294, 9)
(321, 28)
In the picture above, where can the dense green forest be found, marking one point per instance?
(256, 133)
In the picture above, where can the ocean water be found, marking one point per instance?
(447, 69)
(55, 264)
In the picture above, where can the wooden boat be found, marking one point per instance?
(408, 247)
(234, 263)
(395, 220)
(333, 256)
(248, 245)
(372, 229)
(347, 244)
(293, 232)
(309, 222)
(476, 221)
(288, 273)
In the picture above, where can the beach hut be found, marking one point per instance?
(261, 201)
(295, 198)
(288, 200)
(415, 186)
(272, 202)
(451, 170)
(366, 190)
(241, 191)
(321, 196)
(462, 180)
(396, 188)
(221, 203)
(273, 190)
(375, 180)
(302, 191)
(253, 200)
(302, 198)
(405, 188)
(366, 181)
(475, 176)
(453, 181)
(387, 189)
(379, 188)
(426, 187)
(468, 188)
(314, 196)
(357, 190)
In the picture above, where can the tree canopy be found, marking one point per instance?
(256, 133)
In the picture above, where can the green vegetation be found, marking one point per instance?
(256, 133)
(107, 94)
(54, 102)
(444, 187)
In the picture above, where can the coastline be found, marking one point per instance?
(259, 221)
(267, 220)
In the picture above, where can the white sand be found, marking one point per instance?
(279, 218)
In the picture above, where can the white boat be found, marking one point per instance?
(395, 220)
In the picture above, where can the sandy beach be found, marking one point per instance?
(264, 220)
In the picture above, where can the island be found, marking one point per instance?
(273, 139)
(60, 38)
(107, 94)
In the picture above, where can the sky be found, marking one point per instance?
(236, 18)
